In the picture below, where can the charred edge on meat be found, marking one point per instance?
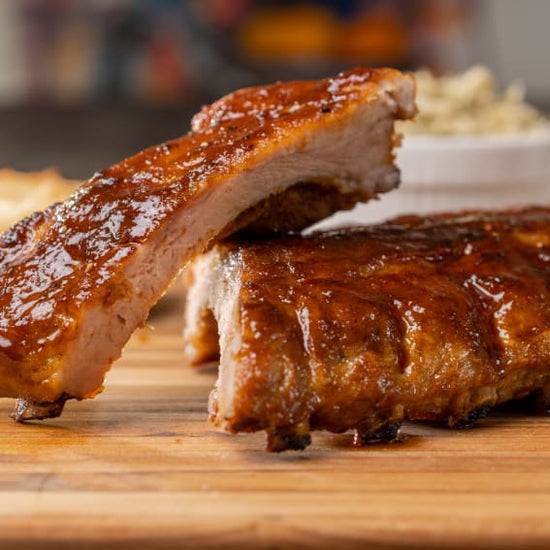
(543, 400)
(471, 418)
(289, 438)
(26, 410)
(384, 434)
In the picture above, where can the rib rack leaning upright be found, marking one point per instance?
(78, 278)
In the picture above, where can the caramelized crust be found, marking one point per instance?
(79, 278)
(417, 318)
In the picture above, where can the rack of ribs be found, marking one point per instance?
(78, 278)
(419, 318)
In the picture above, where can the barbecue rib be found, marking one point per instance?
(78, 278)
(418, 318)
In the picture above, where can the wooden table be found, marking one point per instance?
(140, 467)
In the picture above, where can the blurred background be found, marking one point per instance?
(84, 83)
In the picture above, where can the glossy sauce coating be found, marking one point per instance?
(418, 318)
(55, 265)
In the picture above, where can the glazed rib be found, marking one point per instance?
(418, 318)
(80, 277)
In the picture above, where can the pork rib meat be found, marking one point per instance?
(419, 319)
(78, 278)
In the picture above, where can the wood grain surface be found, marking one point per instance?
(140, 467)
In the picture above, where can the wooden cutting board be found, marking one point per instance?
(140, 467)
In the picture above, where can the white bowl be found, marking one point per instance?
(445, 173)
